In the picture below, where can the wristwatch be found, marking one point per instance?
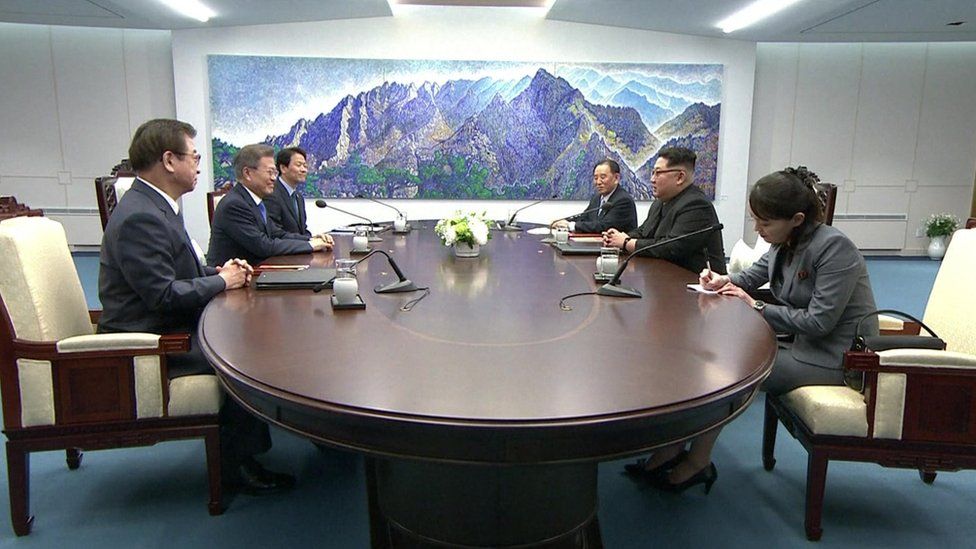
(626, 240)
(759, 305)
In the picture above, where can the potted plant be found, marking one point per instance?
(938, 227)
(467, 233)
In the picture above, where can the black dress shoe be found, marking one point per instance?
(639, 468)
(706, 476)
(253, 479)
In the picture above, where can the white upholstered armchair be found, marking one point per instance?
(66, 388)
(918, 409)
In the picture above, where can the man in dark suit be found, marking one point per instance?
(241, 226)
(151, 280)
(611, 207)
(680, 208)
(286, 207)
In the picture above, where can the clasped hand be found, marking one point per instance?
(321, 241)
(614, 238)
(236, 273)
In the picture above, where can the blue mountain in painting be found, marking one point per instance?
(494, 138)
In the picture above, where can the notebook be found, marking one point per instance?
(295, 280)
(575, 247)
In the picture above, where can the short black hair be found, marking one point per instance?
(783, 194)
(682, 157)
(284, 156)
(610, 163)
(155, 137)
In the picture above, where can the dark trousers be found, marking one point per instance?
(242, 434)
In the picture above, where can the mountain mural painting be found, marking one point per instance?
(464, 129)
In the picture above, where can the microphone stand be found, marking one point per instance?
(510, 224)
(613, 287)
(372, 236)
(404, 284)
(394, 208)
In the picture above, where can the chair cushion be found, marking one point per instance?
(829, 409)
(743, 255)
(926, 358)
(38, 281)
(36, 392)
(195, 395)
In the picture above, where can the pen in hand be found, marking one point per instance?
(708, 263)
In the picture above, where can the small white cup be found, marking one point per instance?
(609, 261)
(561, 235)
(360, 242)
(400, 223)
(345, 287)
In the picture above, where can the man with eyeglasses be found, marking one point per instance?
(151, 280)
(611, 207)
(680, 208)
(241, 225)
(286, 207)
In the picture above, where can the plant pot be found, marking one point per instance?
(937, 248)
(463, 249)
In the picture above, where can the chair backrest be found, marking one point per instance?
(971, 223)
(828, 192)
(952, 303)
(213, 197)
(39, 284)
(108, 191)
(9, 207)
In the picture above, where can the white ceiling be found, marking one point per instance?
(807, 21)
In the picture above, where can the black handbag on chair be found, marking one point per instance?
(855, 380)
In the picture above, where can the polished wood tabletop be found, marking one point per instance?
(488, 368)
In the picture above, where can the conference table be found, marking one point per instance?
(484, 410)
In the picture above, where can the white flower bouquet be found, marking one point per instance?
(470, 228)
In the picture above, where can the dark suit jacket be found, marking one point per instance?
(239, 231)
(685, 213)
(150, 279)
(620, 214)
(824, 289)
(281, 210)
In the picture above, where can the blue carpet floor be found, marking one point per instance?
(156, 497)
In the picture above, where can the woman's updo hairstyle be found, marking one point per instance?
(783, 194)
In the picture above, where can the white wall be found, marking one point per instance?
(469, 34)
(893, 125)
(71, 98)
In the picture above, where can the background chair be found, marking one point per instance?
(9, 207)
(65, 388)
(213, 197)
(109, 189)
(918, 409)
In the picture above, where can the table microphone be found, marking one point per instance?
(603, 206)
(510, 224)
(397, 210)
(612, 288)
(402, 285)
(372, 237)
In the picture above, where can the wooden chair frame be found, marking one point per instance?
(934, 437)
(94, 399)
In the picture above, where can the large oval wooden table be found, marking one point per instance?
(484, 411)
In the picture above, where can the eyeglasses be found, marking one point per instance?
(195, 156)
(669, 170)
(270, 171)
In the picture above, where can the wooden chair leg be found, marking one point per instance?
(816, 482)
(73, 457)
(770, 424)
(928, 477)
(212, 442)
(18, 477)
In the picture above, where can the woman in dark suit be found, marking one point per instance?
(821, 281)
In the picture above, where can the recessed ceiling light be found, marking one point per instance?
(191, 8)
(756, 11)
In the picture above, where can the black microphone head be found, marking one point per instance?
(360, 195)
(321, 203)
(718, 227)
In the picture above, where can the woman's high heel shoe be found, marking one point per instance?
(706, 476)
(639, 467)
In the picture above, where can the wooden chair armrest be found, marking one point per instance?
(94, 315)
(87, 347)
(940, 363)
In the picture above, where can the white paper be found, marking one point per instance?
(538, 230)
(701, 289)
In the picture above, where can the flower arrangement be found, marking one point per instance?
(470, 228)
(942, 224)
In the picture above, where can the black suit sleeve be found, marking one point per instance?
(239, 224)
(689, 218)
(276, 219)
(621, 215)
(147, 252)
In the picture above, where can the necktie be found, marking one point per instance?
(601, 211)
(189, 242)
(264, 212)
(298, 209)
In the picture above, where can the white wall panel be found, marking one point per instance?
(29, 130)
(947, 132)
(148, 77)
(887, 114)
(90, 82)
(878, 200)
(826, 104)
(772, 113)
